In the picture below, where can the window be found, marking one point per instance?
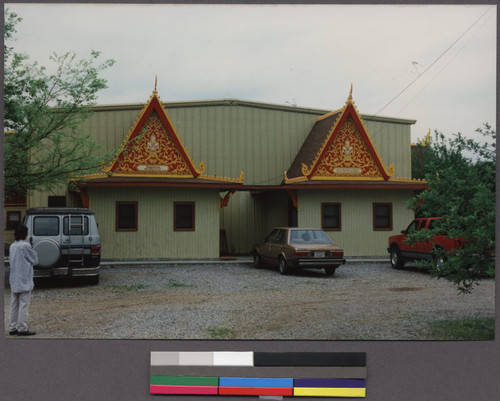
(281, 237)
(382, 216)
(76, 225)
(13, 220)
(184, 216)
(413, 227)
(46, 226)
(126, 216)
(330, 216)
(57, 201)
(271, 236)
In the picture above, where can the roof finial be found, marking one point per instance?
(349, 99)
(156, 81)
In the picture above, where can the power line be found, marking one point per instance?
(435, 61)
(446, 65)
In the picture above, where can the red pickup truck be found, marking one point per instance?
(400, 251)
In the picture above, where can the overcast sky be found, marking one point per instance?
(440, 60)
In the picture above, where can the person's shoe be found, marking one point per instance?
(26, 333)
(13, 332)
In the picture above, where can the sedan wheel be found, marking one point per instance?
(330, 271)
(283, 266)
(257, 262)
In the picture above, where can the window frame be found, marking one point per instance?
(56, 201)
(36, 229)
(136, 217)
(8, 226)
(193, 216)
(84, 230)
(339, 205)
(378, 228)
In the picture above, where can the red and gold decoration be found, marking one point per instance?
(153, 149)
(152, 152)
(347, 156)
(348, 153)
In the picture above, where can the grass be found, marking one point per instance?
(466, 329)
(127, 288)
(175, 283)
(219, 333)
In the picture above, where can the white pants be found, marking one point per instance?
(19, 306)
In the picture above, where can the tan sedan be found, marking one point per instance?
(296, 248)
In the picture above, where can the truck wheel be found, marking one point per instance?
(438, 256)
(396, 261)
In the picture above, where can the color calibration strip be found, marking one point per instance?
(313, 374)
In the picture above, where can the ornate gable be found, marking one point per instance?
(153, 148)
(346, 153)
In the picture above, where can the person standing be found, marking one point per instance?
(22, 257)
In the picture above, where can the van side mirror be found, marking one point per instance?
(404, 232)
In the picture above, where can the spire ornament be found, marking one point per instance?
(349, 99)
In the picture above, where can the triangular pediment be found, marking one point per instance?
(343, 150)
(153, 148)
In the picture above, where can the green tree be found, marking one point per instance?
(43, 112)
(461, 174)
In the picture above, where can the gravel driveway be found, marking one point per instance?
(363, 301)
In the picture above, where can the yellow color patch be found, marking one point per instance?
(329, 392)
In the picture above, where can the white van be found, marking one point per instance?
(66, 240)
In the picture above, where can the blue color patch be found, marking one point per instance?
(254, 382)
(330, 383)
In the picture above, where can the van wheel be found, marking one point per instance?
(396, 261)
(283, 266)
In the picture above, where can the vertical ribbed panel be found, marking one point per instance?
(357, 236)
(155, 237)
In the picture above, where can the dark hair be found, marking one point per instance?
(21, 232)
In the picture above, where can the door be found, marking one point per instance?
(277, 245)
(75, 230)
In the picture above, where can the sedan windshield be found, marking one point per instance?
(309, 237)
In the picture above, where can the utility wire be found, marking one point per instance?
(446, 65)
(434, 62)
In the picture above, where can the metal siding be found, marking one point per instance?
(231, 137)
(155, 237)
(357, 236)
(393, 143)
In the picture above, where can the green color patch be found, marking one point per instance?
(184, 381)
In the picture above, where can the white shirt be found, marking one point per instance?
(22, 257)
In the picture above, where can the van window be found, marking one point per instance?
(46, 226)
(76, 225)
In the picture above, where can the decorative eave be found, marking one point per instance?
(152, 152)
(349, 110)
(397, 183)
(154, 104)
(425, 142)
(108, 177)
